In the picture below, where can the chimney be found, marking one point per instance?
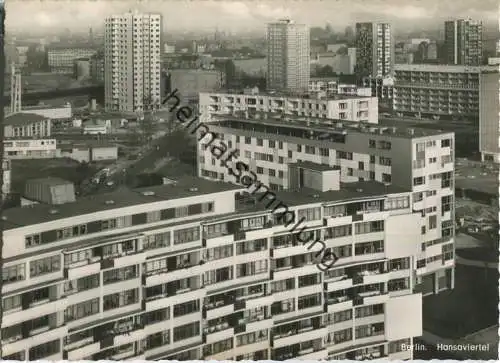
(411, 131)
(394, 129)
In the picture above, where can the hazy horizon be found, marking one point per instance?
(78, 16)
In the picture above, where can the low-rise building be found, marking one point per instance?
(30, 148)
(21, 125)
(200, 270)
(52, 191)
(352, 108)
(88, 151)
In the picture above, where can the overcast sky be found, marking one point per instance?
(181, 15)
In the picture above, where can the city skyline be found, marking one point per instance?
(240, 16)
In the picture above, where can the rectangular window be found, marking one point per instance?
(82, 310)
(186, 235)
(120, 274)
(309, 301)
(45, 350)
(369, 227)
(118, 300)
(187, 331)
(189, 307)
(14, 273)
(45, 266)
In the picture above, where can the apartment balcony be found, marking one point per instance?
(33, 310)
(251, 256)
(177, 297)
(258, 300)
(92, 266)
(219, 310)
(339, 220)
(218, 333)
(293, 249)
(218, 241)
(368, 237)
(339, 283)
(299, 336)
(130, 259)
(225, 355)
(373, 297)
(83, 352)
(37, 337)
(260, 323)
(377, 337)
(339, 304)
(373, 277)
(314, 355)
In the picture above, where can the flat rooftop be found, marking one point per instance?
(120, 198)
(305, 96)
(22, 119)
(322, 125)
(347, 192)
(445, 68)
(186, 187)
(50, 181)
(314, 166)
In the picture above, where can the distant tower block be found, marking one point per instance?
(15, 90)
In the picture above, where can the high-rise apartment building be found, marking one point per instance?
(199, 271)
(132, 62)
(374, 49)
(342, 107)
(464, 42)
(288, 56)
(420, 160)
(489, 116)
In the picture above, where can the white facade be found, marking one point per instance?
(421, 160)
(95, 129)
(191, 276)
(7, 176)
(132, 61)
(352, 108)
(54, 113)
(288, 56)
(489, 117)
(30, 149)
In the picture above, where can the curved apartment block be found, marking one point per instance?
(205, 270)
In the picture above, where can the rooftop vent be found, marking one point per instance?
(193, 189)
(148, 193)
(53, 211)
(109, 202)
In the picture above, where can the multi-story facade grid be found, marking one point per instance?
(464, 42)
(288, 56)
(342, 107)
(132, 62)
(374, 49)
(438, 90)
(186, 272)
(489, 116)
(421, 160)
(62, 60)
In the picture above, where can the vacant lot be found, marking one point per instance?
(471, 306)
